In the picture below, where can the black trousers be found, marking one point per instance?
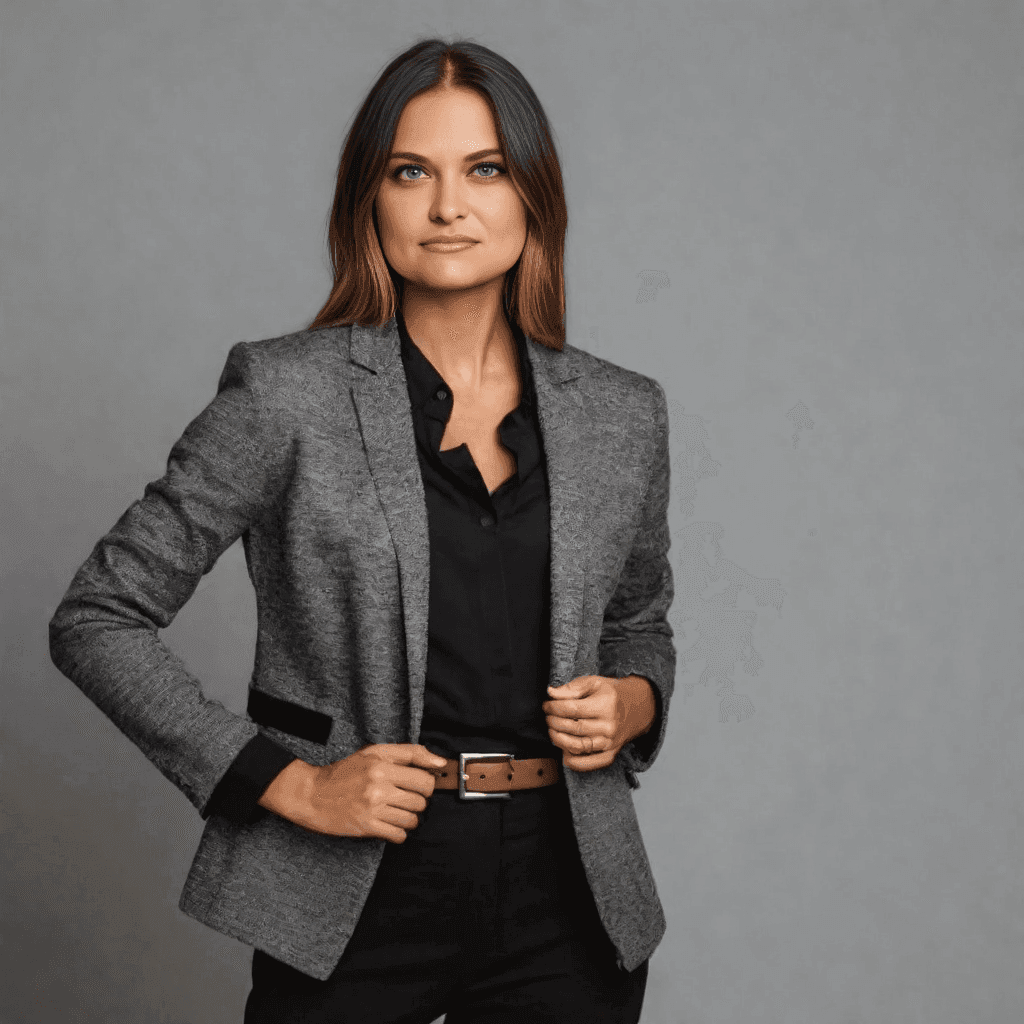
(483, 914)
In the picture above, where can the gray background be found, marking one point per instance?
(833, 192)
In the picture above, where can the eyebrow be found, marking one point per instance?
(423, 160)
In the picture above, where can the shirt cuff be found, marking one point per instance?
(237, 795)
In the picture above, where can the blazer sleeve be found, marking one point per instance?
(223, 473)
(237, 795)
(636, 638)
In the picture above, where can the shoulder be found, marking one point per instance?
(307, 363)
(622, 388)
(292, 357)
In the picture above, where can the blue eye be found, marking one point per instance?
(399, 172)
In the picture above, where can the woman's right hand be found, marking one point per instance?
(377, 792)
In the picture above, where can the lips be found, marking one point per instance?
(448, 246)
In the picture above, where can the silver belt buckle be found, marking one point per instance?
(464, 794)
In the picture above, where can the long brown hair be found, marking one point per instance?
(366, 290)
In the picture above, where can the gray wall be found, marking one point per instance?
(833, 193)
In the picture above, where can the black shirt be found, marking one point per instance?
(488, 660)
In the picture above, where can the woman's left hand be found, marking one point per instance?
(588, 719)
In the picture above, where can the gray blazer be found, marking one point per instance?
(307, 453)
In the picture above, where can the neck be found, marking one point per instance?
(463, 333)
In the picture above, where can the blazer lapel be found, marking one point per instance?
(381, 399)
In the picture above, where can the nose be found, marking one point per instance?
(448, 200)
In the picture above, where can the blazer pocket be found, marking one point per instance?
(276, 713)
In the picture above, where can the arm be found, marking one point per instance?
(643, 708)
(636, 639)
(254, 778)
(220, 474)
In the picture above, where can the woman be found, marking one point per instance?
(443, 509)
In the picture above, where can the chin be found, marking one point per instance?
(454, 281)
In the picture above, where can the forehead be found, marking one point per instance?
(446, 118)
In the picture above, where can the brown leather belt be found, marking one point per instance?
(495, 775)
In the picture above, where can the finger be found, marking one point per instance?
(583, 707)
(579, 744)
(406, 753)
(398, 816)
(588, 762)
(413, 779)
(579, 687)
(580, 726)
(407, 800)
(391, 833)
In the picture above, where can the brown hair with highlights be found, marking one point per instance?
(366, 290)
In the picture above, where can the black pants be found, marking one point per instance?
(483, 914)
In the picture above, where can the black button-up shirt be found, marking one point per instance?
(488, 661)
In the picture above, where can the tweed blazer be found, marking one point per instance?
(307, 453)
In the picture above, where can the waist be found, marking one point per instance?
(483, 775)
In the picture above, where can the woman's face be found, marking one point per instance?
(446, 177)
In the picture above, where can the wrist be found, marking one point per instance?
(638, 698)
(289, 790)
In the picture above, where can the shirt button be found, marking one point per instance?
(486, 521)
(442, 394)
